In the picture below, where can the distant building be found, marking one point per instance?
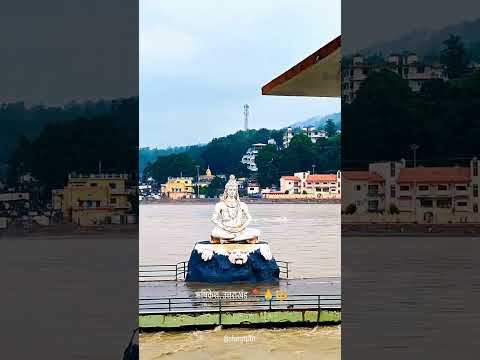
(205, 180)
(428, 194)
(177, 188)
(93, 199)
(319, 186)
(313, 134)
(249, 158)
(253, 189)
(408, 67)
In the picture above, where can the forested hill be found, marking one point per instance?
(51, 142)
(427, 43)
(319, 121)
(222, 154)
(17, 120)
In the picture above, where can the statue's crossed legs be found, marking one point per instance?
(248, 235)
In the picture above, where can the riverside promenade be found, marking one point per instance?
(176, 305)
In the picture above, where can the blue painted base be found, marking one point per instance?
(220, 270)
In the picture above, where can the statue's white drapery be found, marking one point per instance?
(237, 254)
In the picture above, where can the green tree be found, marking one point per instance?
(330, 128)
(267, 164)
(382, 113)
(215, 188)
(454, 56)
(171, 165)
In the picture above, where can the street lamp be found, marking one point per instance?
(313, 169)
(414, 148)
(198, 182)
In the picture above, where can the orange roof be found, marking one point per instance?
(362, 175)
(434, 175)
(294, 178)
(322, 177)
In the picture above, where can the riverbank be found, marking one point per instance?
(67, 229)
(246, 200)
(408, 229)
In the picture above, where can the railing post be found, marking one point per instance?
(176, 272)
(318, 309)
(169, 304)
(270, 304)
(287, 269)
(219, 311)
(184, 273)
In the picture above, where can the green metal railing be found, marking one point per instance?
(251, 303)
(178, 271)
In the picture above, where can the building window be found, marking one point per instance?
(89, 204)
(426, 203)
(475, 190)
(112, 185)
(461, 187)
(357, 187)
(442, 187)
(373, 205)
(423, 187)
(475, 208)
(404, 187)
(444, 203)
(80, 203)
(392, 169)
(97, 203)
(462, 203)
(393, 192)
(373, 189)
(93, 184)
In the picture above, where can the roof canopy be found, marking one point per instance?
(317, 75)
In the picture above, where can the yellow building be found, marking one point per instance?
(178, 188)
(93, 199)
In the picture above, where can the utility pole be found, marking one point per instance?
(414, 148)
(198, 182)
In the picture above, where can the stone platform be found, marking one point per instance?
(227, 263)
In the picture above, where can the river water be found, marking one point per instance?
(307, 235)
(232, 344)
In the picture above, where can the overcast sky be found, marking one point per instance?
(368, 22)
(54, 51)
(201, 61)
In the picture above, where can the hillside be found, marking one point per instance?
(427, 42)
(19, 120)
(319, 121)
(234, 145)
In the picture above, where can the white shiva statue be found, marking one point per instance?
(231, 218)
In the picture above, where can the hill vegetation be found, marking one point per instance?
(223, 155)
(386, 117)
(79, 145)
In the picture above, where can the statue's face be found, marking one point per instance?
(231, 193)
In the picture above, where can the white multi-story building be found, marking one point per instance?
(249, 157)
(408, 67)
(427, 193)
(311, 132)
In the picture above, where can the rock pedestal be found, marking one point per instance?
(227, 263)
